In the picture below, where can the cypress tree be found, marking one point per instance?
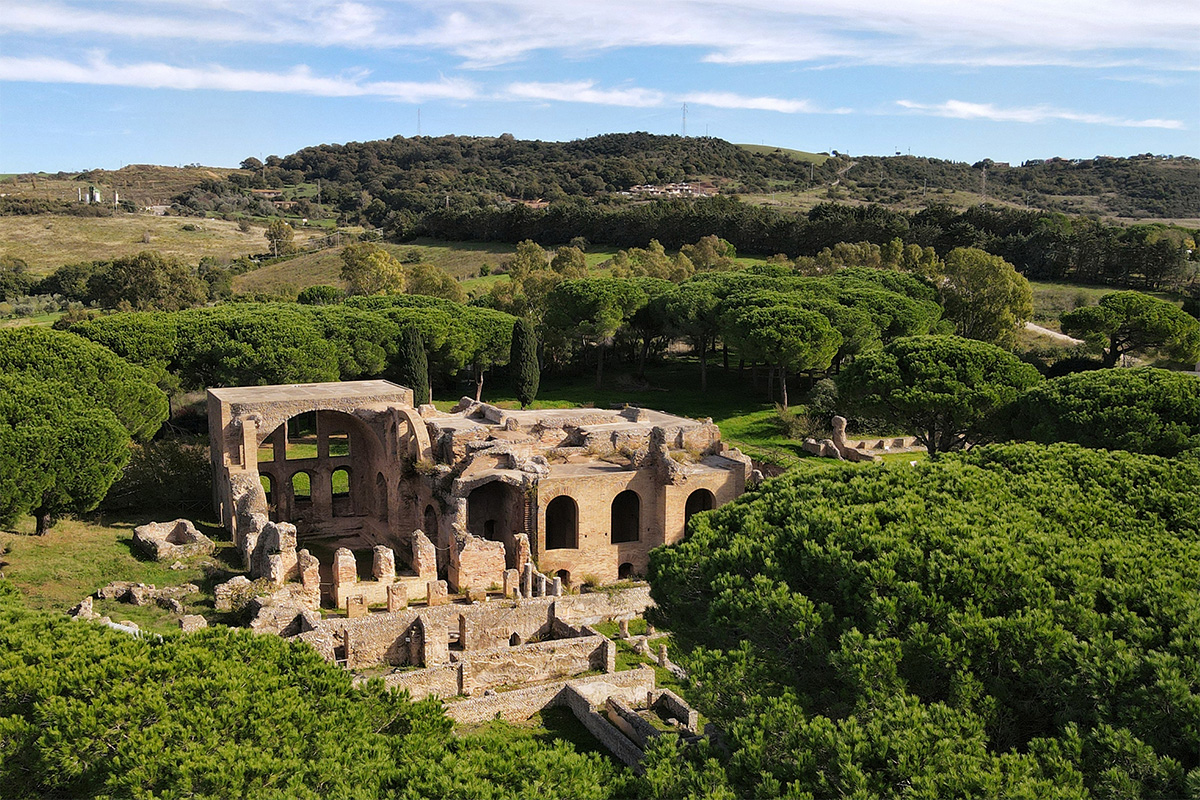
(414, 365)
(523, 362)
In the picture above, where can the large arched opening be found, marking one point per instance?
(626, 517)
(698, 501)
(562, 523)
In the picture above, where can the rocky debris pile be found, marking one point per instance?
(143, 594)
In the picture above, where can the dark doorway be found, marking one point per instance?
(626, 517)
(562, 523)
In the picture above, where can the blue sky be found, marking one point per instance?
(107, 83)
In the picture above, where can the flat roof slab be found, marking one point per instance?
(366, 390)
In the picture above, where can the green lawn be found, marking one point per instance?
(77, 557)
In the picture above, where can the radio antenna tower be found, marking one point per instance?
(683, 128)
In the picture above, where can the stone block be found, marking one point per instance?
(383, 567)
(141, 595)
(437, 593)
(424, 556)
(476, 595)
(623, 629)
(168, 541)
(190, 623)
(512, 583)
(397, 597)
(310, 571)
(356, 606)
(527, 580)
(556, 588)
(169, 603)
(539, 585)
(224, 594)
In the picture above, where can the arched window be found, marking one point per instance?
(562, 523)
(626, 517)
(699, 500)
(431, 523)
(339, 483)
(339, 489)
(565, 576)
(302, 487)
(625, 571)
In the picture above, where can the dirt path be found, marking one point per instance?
(1055, 335)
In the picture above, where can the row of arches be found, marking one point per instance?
(625, 518)
(302, 483)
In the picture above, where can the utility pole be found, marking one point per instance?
(684, 126)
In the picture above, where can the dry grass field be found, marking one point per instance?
(47, 241)
(141, 184)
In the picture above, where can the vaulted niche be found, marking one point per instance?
(562, 523)
(626, 517)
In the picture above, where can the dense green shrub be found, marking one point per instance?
(1012, 621)
(1143, 410)
(90, 712)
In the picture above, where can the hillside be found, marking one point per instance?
(140, 184)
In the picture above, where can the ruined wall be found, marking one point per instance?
(443, 681)
(475, 562)
(594, 492)
(521, 704)
(605, 732)
(376, 637)
(531, 663)
(594, 607)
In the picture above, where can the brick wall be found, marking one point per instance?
(521, 704)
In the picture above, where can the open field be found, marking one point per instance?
(141, 184)
(463, 260)
(48, 241)
(1052, 300)
(78, 556)
(796, 155)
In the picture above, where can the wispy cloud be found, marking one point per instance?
(98, 70)
(637, 97)
(484, 33)
(959, 109)
(586, 92)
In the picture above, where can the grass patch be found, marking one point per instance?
(48, 241)
(795, 155)
(1052, 300)
(79, 556)
(546, 727)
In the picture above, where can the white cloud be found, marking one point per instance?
(153, 75)
(959, 109)
(737, 101)
(484, 33)
(586, 92)
(637, 97)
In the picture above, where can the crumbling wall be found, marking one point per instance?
(605, 732)
(521, 704)
(475, 562)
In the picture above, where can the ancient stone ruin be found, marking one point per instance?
(172, 541)
(857, 450)
(464, 497)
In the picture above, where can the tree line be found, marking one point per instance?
(1040, 245)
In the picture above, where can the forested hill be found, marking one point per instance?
(415, 173)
